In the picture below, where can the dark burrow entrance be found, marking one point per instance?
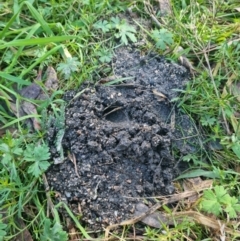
(122, 138)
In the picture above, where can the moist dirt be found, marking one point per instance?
(122, 142)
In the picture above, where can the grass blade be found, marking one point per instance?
(20, 119)
(198, 173)
(2, 33)
(39, 19)
(85, 234)
(36, 41)
(14, 79)
(20, 50)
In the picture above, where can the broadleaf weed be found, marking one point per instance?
(70, 66)
(125, 32)
(105, 56)
(217, 201)
(162, 37)
(104, 25)
(53, 232)
(39, 155)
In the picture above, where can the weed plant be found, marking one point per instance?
(78, 39)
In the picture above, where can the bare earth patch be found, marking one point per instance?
(121, 139)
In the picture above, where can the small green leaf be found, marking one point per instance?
(211, 206)
(41, 152)
(209, 194)
(4, 148)
(54, 233)
(220, 192)
(232, 207)
(38, 168)
(221, 195)
(131, 36)
(71, 65)
(6, 159)
(125, 31)
(115, 22)
(208, 120)
(216, 200)
(7, 58)
(105, 59)
(103, 25)
(28, 153)
(39, 155)
(231, 211)
(236, 149)
(105, 56)
(162, 38)
(18, 151)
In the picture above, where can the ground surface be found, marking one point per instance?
(122, 137)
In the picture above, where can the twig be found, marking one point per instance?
(117, 108)
(148, 8)
(50, 204)
(159, 94)
(73, 160)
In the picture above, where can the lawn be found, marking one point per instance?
(58, 46)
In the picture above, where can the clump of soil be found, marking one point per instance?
(122, 137)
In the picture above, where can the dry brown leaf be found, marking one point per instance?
(4, 130)
(66, 53)
(227, 87)
(71, 229)
(193, 184)
(159, 94)
(25, 234)
(29, 109)
(73, 160)
(73, 234)
(50, 205)
(26, 108)
(237, 167)
(52, 82)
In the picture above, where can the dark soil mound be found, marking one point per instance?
(122, 137)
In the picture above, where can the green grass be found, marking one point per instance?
(78, 38)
